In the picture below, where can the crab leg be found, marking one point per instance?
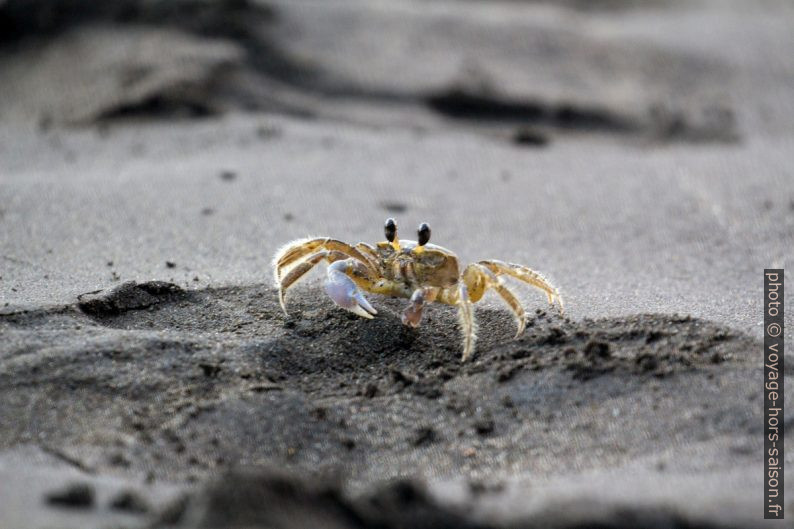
(300, 270)
(515, 305)
(478, 278)
(413, 313)
(297, 251)
(369, 252)
(527, 275)
(344, 292)
(467, 323)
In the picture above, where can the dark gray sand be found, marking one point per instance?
(170, 385)
(154, 155)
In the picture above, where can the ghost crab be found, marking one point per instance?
(416, 270)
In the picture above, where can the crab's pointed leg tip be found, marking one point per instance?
(282, 302)
(467, 354)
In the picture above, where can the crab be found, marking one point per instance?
(417, 270)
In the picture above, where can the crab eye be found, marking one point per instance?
(424, 234)
(390, 228)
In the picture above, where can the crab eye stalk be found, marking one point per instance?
(390, 228)
(424, 234)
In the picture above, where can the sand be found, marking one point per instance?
(149, 378)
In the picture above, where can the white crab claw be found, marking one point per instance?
(344, 292)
